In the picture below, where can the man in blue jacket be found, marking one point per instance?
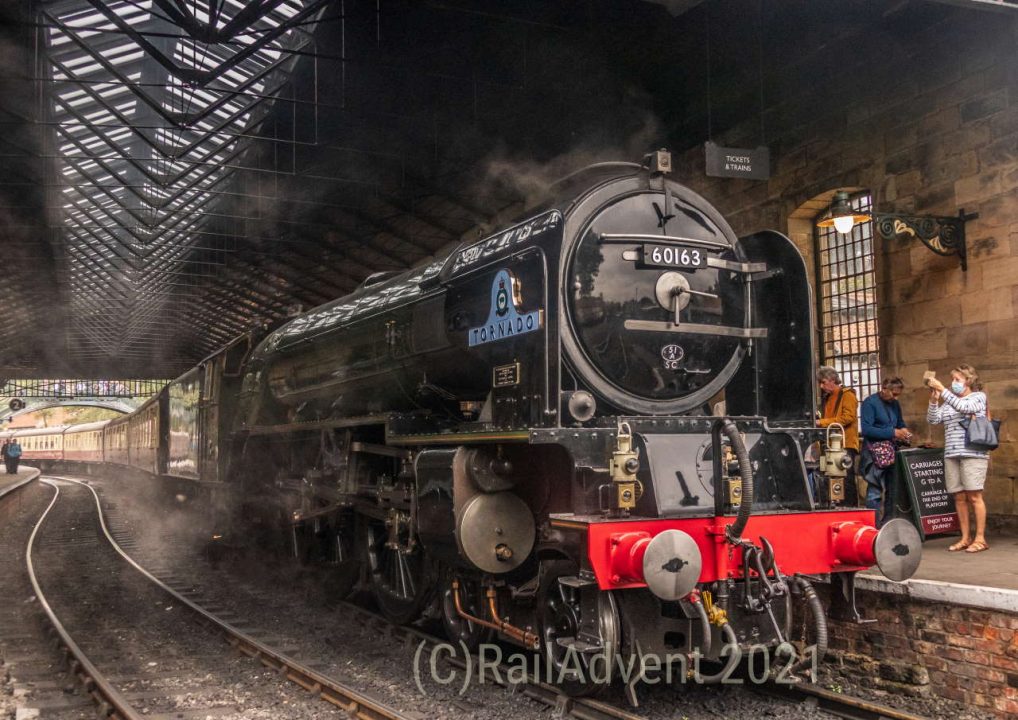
(882, 422)
(13, 456)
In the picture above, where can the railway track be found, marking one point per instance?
(836, 704)
(354, 703)
(563, 705)
(115, 702)
(32, 670)
(357, 704)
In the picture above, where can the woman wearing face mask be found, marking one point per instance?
(964, 467)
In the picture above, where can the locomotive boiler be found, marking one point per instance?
(589, 432)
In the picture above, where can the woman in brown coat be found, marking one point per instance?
(841, 406)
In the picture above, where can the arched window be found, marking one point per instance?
(847, 302)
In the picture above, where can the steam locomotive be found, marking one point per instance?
(589, 432)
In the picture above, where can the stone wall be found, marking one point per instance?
(921, 648)
(931, 126)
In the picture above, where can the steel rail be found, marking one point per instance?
(844, 706)
(360, 706)
(353, 702)
(562, 704)
(837, 704)
(111, 703)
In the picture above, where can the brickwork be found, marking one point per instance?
(931, 127)
(921, 648)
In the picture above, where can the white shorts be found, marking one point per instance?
(965, 473)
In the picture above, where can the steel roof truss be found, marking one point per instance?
(203, 77)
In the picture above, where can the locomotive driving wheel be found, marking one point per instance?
(395, 568)
(572, 641)
(343, 571)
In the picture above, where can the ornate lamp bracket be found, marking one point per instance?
(942, 235)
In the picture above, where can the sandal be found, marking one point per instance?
(960, 545)
(977, 547)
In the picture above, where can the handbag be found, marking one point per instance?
(981, 432)
(883, 452)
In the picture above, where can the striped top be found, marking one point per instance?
(950, 414)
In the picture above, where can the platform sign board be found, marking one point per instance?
(750, 163)
(922, 473)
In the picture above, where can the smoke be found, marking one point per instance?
(180, 535)
(531, 181)
(349, 205)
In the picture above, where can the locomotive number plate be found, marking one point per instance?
(674, 256)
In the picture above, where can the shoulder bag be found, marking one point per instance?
(883, 452)
(981, 432)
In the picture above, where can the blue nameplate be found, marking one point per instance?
(504, 318)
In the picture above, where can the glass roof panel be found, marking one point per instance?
(146, 160)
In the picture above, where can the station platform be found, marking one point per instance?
(987, 580)
(950, 632)
(9, 483)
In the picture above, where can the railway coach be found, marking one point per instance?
(41, 444)
(83, 443)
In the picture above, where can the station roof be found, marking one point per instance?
(176, 173)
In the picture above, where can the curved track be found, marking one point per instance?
(111, 702)
(115, 703)
(357, 704)
(838, 705)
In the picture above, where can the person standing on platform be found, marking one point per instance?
(964, 467)
(841, 406)
(883, 428)
(14, 456)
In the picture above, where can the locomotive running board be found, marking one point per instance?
(449, 438)
(283, 429)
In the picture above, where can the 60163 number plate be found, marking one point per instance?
(674, 256)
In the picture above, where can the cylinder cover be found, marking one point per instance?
(495, 531)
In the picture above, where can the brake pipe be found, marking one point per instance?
(733, 641)
(696, 602)
(734, 531)
(817, 610)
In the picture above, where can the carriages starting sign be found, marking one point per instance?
(922, 472)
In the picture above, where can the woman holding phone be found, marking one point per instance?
(964, 467)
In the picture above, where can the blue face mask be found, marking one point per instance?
(957, 387)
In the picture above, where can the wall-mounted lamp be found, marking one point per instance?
(942, 235)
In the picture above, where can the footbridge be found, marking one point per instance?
(29, 395)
